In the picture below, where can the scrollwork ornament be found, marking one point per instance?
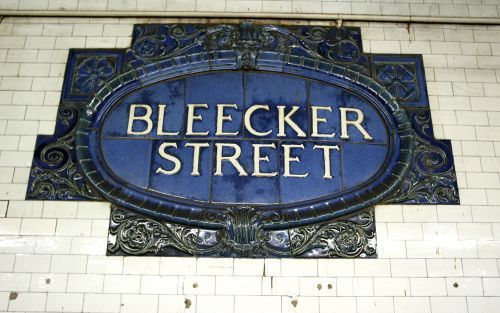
(242, 236)
(55, 174)
(146, 47)
(138, 236)
(431, 178)
(153, 43)
(336, 239)
(156, 42)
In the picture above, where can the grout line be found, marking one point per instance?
(8, 201)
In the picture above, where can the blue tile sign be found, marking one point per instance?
(243, 140)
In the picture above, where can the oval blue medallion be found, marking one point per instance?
(187, 139)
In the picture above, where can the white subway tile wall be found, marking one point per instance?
(431, 258)
(443, 8)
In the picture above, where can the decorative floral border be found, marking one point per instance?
(134, 234)
(87, 71)
(403, 76)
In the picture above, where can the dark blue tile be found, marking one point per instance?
(312, 162)
(233, 188)
(403, 76)
(324, 95)
(184, 183)
(357, 168)
(276, 90)
(87, 71)
(129, 159)
(169, 93)
(214, 89)
(373, 122)
(334, 97)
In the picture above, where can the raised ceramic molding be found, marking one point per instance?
(348, 237)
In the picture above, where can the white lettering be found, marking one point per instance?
(316, 120)
(159, 130)
(287, 119)
(192, 117)
(171, 158)
(257, 159)
(196, 156)
(221, 118)
(326, 158)
(288, 159)
(248, 123)
(357, 123)
(147, 118)
(233, 159)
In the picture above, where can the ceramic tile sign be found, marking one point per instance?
(244, 141)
